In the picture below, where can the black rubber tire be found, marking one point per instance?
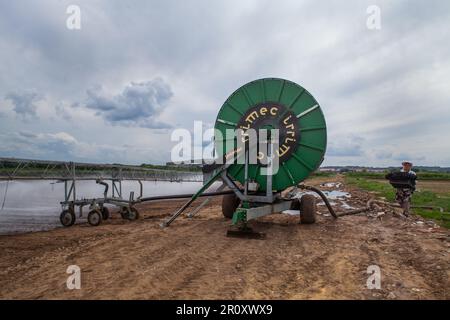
(133, 214)
(94, 218)
(105, 213)
(230, 202)
(308, 209)
(67, 218)
(124, 213)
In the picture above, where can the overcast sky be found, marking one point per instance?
(114, 90)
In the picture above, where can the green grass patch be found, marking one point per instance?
(381, 189)
(420, 198)
(367, 175)
(433, 175)
(443, 220)
(323, 174)
(421, 175)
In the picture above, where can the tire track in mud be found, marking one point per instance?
(157, 265)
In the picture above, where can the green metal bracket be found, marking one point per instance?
(239, 216)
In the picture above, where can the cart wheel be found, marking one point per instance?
(308, 209)
(133, 214)
(105, 213)
(94, 218)
(230, 202)
(124, 212)
(67, 218)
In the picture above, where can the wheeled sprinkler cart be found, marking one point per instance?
(72, 173)
(292, 148)
(97, 209)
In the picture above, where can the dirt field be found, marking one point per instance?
(194, 260)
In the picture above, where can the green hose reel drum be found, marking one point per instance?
(273, 103)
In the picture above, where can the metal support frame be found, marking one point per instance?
(22, 169)
(205, 202)
(116, 189)
(141, 190)
(250, 198)
(269, 197)
(71, 201)
(221, 173)
(256, 212)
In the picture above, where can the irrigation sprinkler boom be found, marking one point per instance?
(28, 169)
(70, 173)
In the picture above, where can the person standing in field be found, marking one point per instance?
(403, 195)
(405, 184)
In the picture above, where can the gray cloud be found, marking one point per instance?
(24, 103)
(350, 146)
(58, 146)
(408, 157)
(62, 111)
(383, 154)
(388, 87)
(64, 147)
(391, 154)
(139, 104)
(27, 135)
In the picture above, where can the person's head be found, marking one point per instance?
(406, 166)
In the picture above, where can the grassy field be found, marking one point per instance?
(429, 193)
(322, 174)
(422, 175)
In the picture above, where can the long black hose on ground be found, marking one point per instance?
(185, 196)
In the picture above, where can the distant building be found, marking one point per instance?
(328, 169)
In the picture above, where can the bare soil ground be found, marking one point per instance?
(193, 259)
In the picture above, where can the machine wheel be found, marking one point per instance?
(133, 214)
(230, 202)
(105, 213)
(124, 211)
(308, 209)
(94, 218)
(129, 213)
(67, 218)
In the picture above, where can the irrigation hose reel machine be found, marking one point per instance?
(269, 103)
